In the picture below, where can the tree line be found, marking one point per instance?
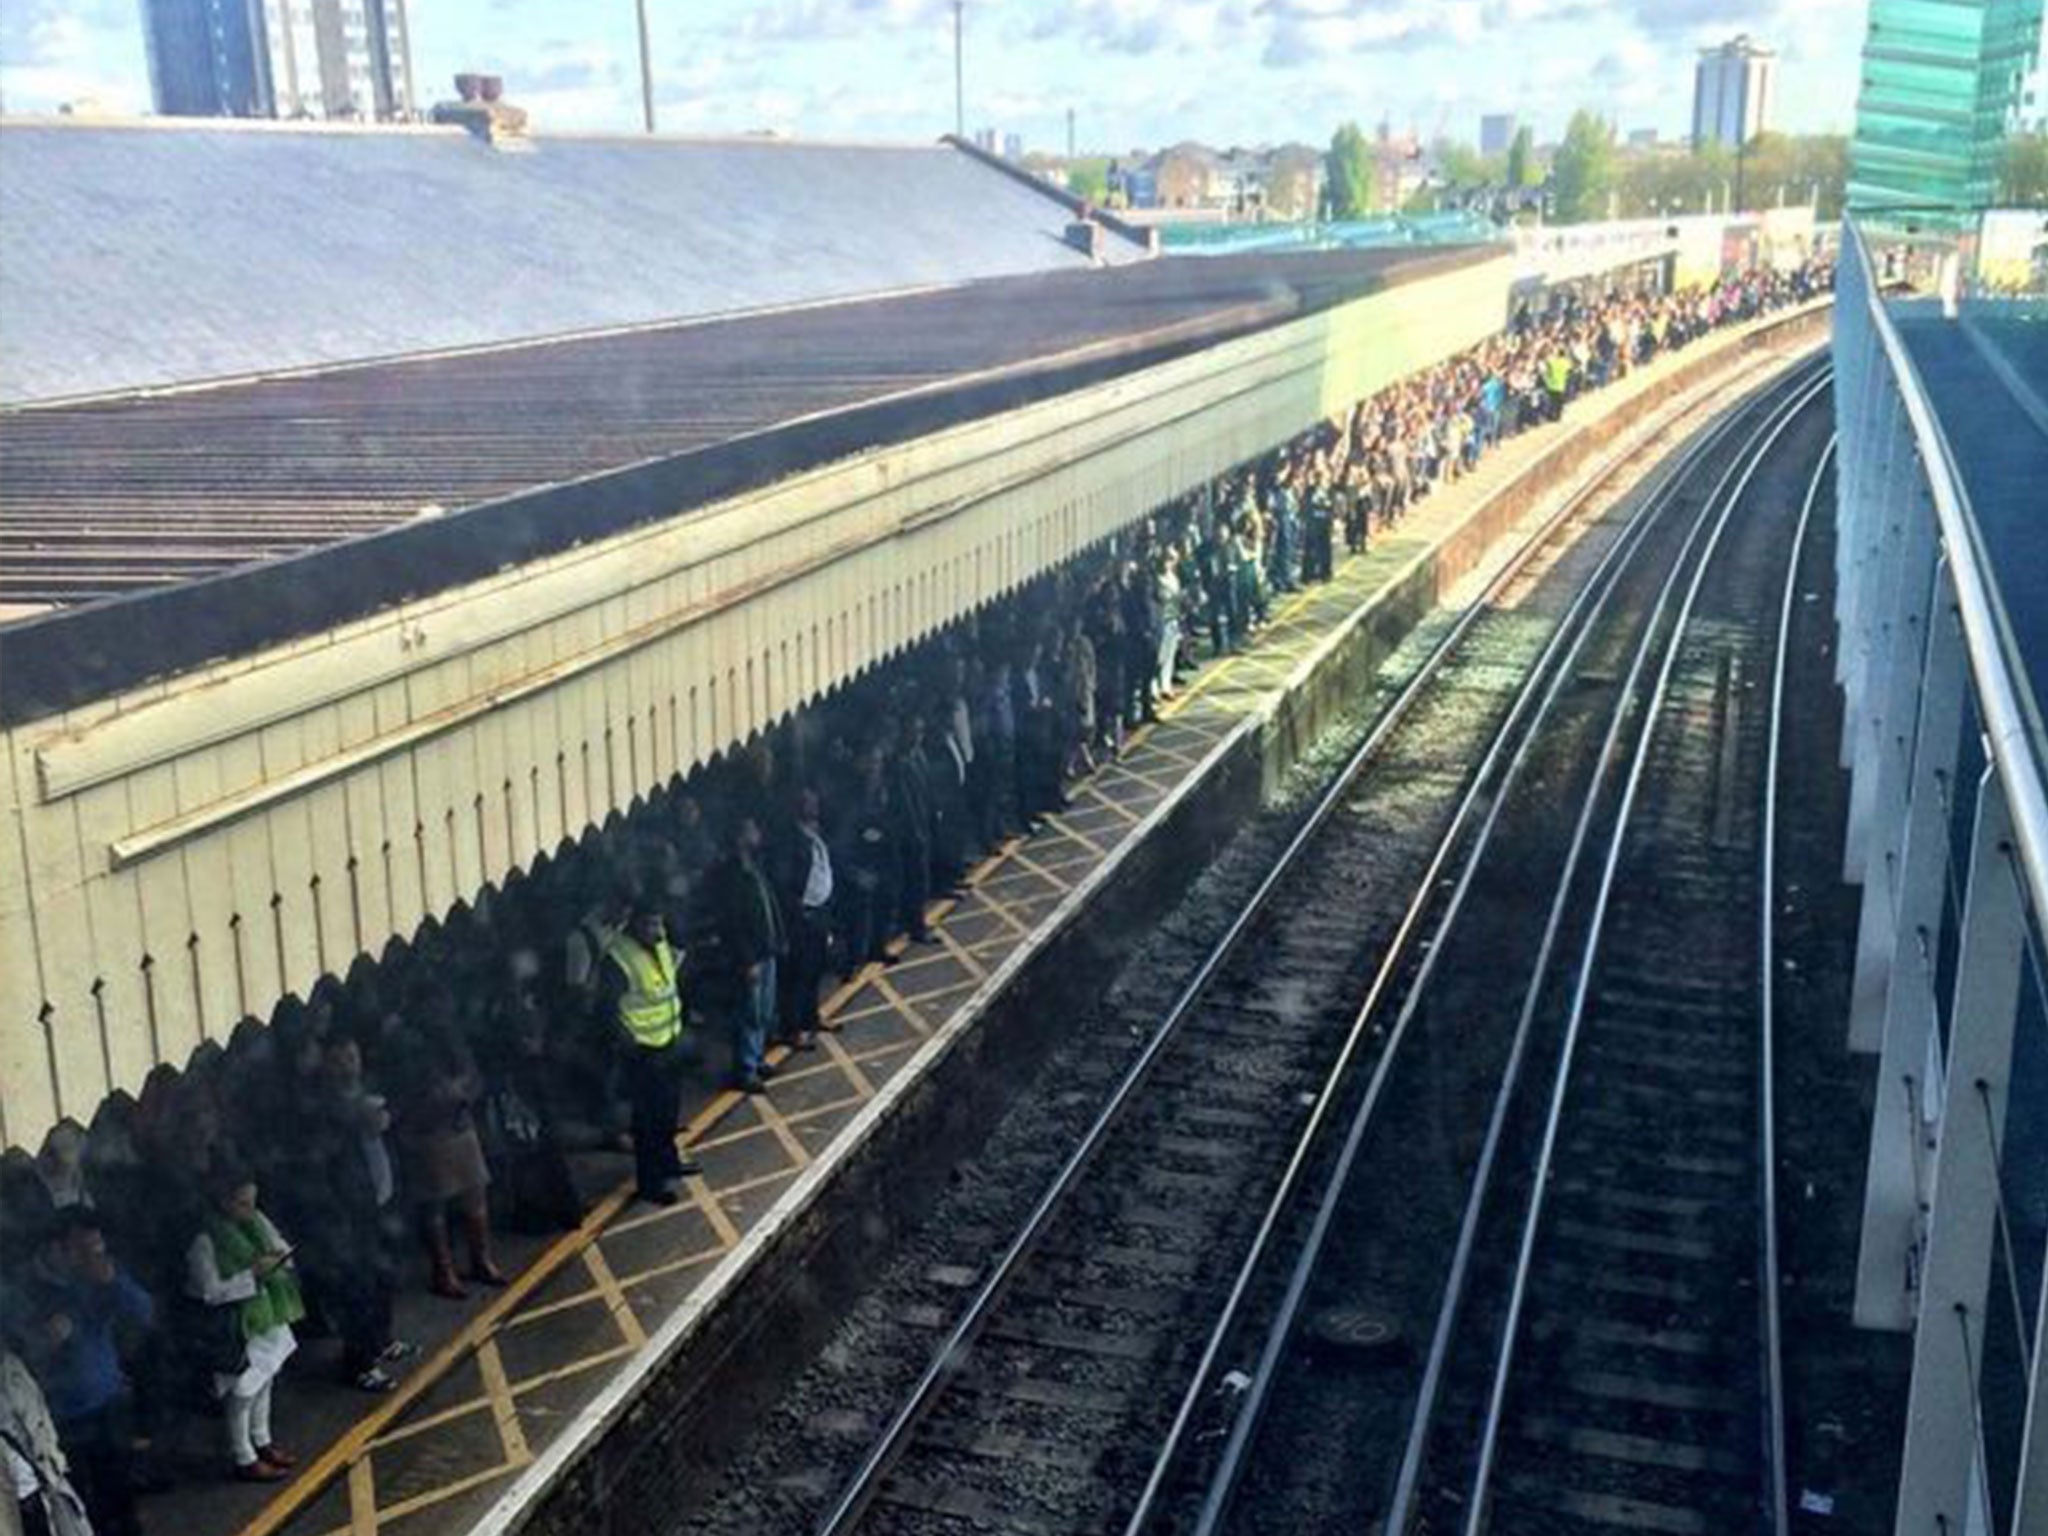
(1591, 176)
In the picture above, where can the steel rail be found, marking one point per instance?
(1767, 1010)
(1408, 1483)
(861, 1487)
(1280, 1331)
(1478, 1503)
(1599, 588)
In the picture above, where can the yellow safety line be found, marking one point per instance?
(1001, 909)
(362, 1499)
(860, 1015)
(441, 1495)
(992, 861)
(840, 995)
(570, 1368)
(670, 1266)
(936, 956)
(852, 1101)
(1060, 826)
(614, 1296)
(404, 1432)
(897, 1001)
(1151, 776)
(492, 1368)
(959, 952)
(1033, 866)
(846, 1063)
(707, 1202)
(1054, 860)
(778, 1127)
(1106, 803)
(730, 1138)
(938, 994)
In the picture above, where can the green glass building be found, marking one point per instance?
(1942, 81)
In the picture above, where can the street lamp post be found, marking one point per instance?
(646, 69)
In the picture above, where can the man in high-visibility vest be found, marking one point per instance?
(1557, 381)
(643, 995)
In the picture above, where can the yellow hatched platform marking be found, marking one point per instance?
(362, 1499)
(499, 1390)
(959, 952)
(1059, 825)
(847, 1064)
(707, 1202)
(897, 1001)
(614, 1296)
(671, 1266)
(778, 1127)
(574, 1367)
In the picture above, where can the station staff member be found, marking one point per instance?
(642, 992)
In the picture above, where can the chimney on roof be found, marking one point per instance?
(1087, 236)
(481, 108)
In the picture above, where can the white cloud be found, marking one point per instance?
(50, 58)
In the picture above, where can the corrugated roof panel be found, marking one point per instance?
(139, 255)
(537, 449)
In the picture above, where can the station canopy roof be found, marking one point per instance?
(164, 251)
(363, 406)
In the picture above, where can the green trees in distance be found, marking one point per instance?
(1590, 176)
(1460, 165)
(1349, 175)
(1775, 168)
(2023, 179)
(1582, 174)
(1522, 170)
(1089, 178)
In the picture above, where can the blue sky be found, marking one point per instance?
(1137, 72)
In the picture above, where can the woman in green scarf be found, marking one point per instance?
(238, 1263)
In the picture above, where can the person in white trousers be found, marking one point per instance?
(239, 1263)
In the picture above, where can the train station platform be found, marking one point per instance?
(510, 1393)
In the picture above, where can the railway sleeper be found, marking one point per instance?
(1065, 1338)
(1678, 1455)
(1620, 1121)
(1634, 1161)
(1636, 1242)
(1650, 1049)
(1541, 1505)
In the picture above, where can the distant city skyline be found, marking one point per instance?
(1137, 72)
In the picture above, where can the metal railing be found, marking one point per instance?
(1948, 836)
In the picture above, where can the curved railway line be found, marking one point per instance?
(1079, 1386)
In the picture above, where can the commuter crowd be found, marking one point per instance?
(375, 1134)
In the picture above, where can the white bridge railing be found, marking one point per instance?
(1948, 836)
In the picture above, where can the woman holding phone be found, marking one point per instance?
(241, 1268)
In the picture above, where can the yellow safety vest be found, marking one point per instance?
(651, 1011)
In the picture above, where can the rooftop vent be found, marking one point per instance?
(481, 108)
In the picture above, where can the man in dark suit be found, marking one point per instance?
(755, 937)
(910, 813)
(806, 884)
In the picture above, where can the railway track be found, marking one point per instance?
(1041, 1406)
(1638, 1370)
(1555, 1198)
